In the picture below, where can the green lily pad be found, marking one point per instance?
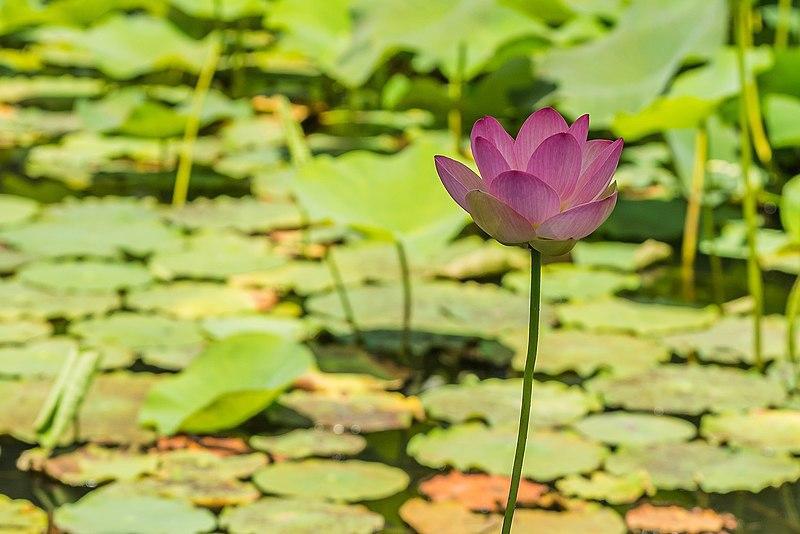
(302, 443)
(300, 516)
(730, 340)
(21, 516)
(215, 255)
(620, 315)
(194, 464)
(447, 517)
(85, 276)
(498, 401)
(258, 367)
(247, 215)
(348, 481)
(10, 260)
(563, 281)
(104, 512)
(18, 300)
(334, 358)
(161, 341)
(91, 465)
(767, 430)
(193, 300)
(587, 352)
(302, 277)
(697, 464)
(360, 411)
(548, 454)
(614, 489)
(208, 491)
(23, 330)
(43, 358)
(689, 389)
(21, 88)
(289, 327)
(635, 429)
(472, 257)
(15, 210)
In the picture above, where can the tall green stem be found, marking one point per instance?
(344, 298)
(792, 309)
(455, 91)
(754, 282)
(527, 387)
(782, 26)
(181, 189)
(405, 272)
(692, 220)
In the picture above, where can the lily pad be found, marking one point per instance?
(622, 256)
(548, 454)
(620, 315)
(18, 300)
(563, 281)
(587, 352)
(674, 519)
(258, 367)
(244, 214)
(23, 330)
(209, 491)
(15, 210)
(106, 512)
(198, 464)
(614, 489)
(472, 257)
(193, 300)
(302, 277)
(698, 464)
(21, 88)
(302, 443)
(635, 429)
(481, 492)
(767, 430)
(360, 411)
(299, 516)
(85, 276)
(348, 481)
(689, 390)
(498, 401)
(21, 516)
(43, 358)
(91, 465)
(730, 340)
(161, 341)
(289, 327)
(215, 255)
(10, 260)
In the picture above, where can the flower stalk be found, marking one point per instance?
(527, 388)
(405, 273)
(692, 220)
(782, 26)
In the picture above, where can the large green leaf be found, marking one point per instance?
(782, 114)
(396, 196)
(228, 383)
(653, 37)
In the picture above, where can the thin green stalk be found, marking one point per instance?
(692, 220)
(782, 27)
(717, 287)
(455, 91)
(754, 282)
(405, 271)
(181, 190)
(792, 310)
(344, 298)
(527, 388)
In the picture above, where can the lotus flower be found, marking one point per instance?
(548, 188)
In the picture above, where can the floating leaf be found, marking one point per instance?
(208, 492)
(364, 411)
(289, 327)
(203, 399)
(42, 358)
(349, 481)
(302, 277)
(292, 516)
(479, 491)
(564, 281)
(16, 210)
(498, 402)
(199, 464)
(674, 519)
(548, 454)
(85, 276)
(691, 390)
(91, 465)
(620, 315)
(302, 443)
(613, 489)
(102, 512)
(622, 256)
(472, 257)
(20, 88)
(635, 429)
(244, 214)
(21, 516)
(447, 517)
(193, 300)
(782, 112)
(18, 300)
(767, 430)
(24, 330)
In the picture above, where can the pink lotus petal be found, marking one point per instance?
(527, 194)
(489, 160)
(498, 219)
(591, 150)
(557, 162)
(578, 222)
(580, 129)
(457, 178)
(536, 128)
(489, 128)
(596, 177)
